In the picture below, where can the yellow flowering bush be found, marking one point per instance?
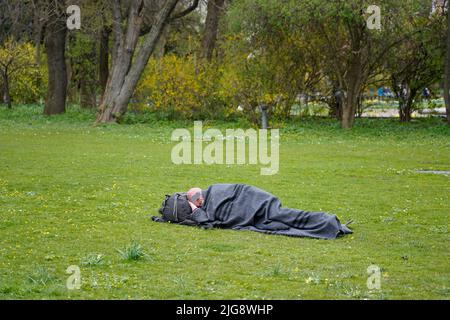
(178, 87)
(182, 87)
(27, 81)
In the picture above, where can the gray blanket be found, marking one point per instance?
(244, 207)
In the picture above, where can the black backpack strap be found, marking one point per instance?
(175, 206)
(158, 219)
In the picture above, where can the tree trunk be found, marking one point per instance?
(125, 74)
(6, 94)
(55, 42)
(335, 103)
(359, 106)
(350, 98)
(405, 111)
(103, 65)
(349, 109)
(406, 101)
(352, 80)
(447, 70)
(214, 9)
(160, 49)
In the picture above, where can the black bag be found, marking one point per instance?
(175, 208)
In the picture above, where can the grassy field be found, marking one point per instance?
(73, 194)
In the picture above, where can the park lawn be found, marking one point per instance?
(69, 190)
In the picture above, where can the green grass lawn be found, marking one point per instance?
(73, 194)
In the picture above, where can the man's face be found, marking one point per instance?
(195, 196)
(199, 202)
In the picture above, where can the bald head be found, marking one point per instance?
(195, 196)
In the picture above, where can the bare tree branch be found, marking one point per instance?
(185, 12)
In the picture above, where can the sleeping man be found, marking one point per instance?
(244, 207)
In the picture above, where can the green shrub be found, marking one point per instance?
(42, 276)
(132, 252)
(93, 259)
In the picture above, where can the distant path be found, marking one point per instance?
(393, 113)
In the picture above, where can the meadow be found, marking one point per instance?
(75, 194)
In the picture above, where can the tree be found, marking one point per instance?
(87, 53)
(127, 67)
(20, 24)
(15, 18)
(268, 58)
(335, 36)
(84, 66)
(354, 54)
(14, 58)
(214, 12)
(416, 63)
(55, 46)
(447, 68)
